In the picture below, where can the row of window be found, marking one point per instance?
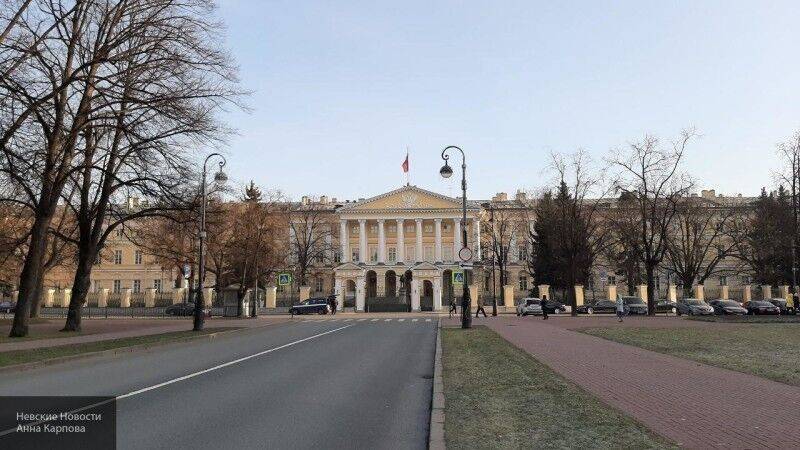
(136, 286)
(373, 229)
(138, 257)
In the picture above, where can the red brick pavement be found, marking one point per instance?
(693, 404)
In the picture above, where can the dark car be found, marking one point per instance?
(635, 305)
(311, 306)
(727, 307)
(664, 306)
(554, 307)
(783, 305)
(7, 307)
(602, 306)
(694, 307)
(758, 307)
(180, 309)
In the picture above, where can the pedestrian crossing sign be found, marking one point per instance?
(458, 277)
(284, 279)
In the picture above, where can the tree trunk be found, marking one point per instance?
(31, 275)
(36, 299)
(80, 288)
(651, 290)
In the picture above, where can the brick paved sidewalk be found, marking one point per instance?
(105, 329)
(695, 405)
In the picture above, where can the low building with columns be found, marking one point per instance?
(403, 246)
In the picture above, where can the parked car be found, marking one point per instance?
(601, 306)
(758, 307)
(783, 305)
(694, 307)
(664, 306)
(529, 306)
(554, 307)
(311, 306)
(180, 309)
(635, 305)
(727, 307)
(7, 307)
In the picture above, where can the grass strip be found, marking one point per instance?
(46, 353)
(498, 396)
(764, 350)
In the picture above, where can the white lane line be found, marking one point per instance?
(414, 320)
(401, 320)
(185, 377)
(387, 320)
(361, 320)
(375, 320)
(348, 320)
(427, 320)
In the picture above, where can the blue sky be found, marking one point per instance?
(340, 89)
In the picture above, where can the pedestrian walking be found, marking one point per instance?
(334, 305)
(620, 308)
(453, 309)
(480, 309)
(543, 304)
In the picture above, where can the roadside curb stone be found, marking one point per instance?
(436, 436)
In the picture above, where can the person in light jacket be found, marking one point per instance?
(620, 308)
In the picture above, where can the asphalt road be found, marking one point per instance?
(306, 384)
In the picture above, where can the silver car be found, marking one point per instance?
(529, 306)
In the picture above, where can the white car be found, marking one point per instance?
(529, 306)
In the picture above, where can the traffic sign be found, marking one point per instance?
(458, 277)
(284, 279)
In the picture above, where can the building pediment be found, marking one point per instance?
(348, 266)
(407, 198)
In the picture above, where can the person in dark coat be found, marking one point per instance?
(543, 304)
(479, 302)
(453, 307)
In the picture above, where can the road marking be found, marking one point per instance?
(414, 320)
(347, 320)
(387, 320)
(361, 320)
(374, 320)
(401, 320)
(427, 320)
(185, 377)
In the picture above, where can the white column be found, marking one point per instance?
(476, 223)
(414, 295)
(344, 240)
(437, 293)
(401, 241)
(362, 240)
(338, 289)
(456, 238)
(438, 229)
(361, 285)
(418, 256)
(381, 243)
(329, 244)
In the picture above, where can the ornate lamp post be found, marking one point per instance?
(465, 254)
(219, 178)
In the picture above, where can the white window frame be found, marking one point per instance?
(137, 286)
(117, 286)
(117, 257)
(137, 257)
(391, 254)
(157, 285)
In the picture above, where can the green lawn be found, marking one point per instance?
(766, 350)
(41, 354)
(497, 396)
(747, 319)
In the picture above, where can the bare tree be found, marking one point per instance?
(789, 152)
(651, 179)
(505, 221)
(311, 236)
(698, 241)
(570, 232)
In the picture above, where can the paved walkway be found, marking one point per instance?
(95, 330)
(695, 405)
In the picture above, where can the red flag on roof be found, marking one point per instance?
(405, 164)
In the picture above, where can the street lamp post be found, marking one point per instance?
(219, 178)
(464, 254)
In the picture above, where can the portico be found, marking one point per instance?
(408, 236)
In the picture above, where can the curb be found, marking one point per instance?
(113, 351)
(436, 430)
